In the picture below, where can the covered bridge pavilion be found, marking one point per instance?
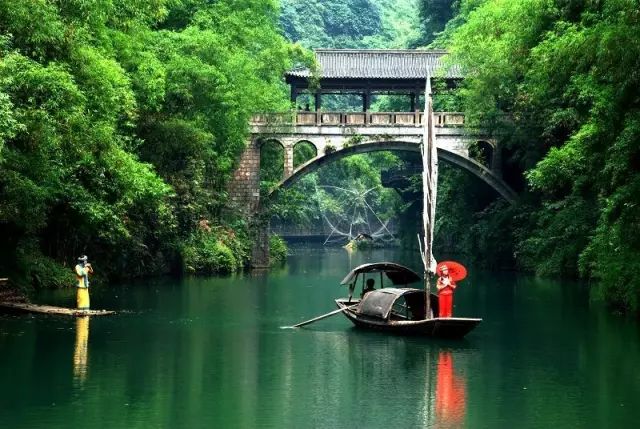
(366, 72)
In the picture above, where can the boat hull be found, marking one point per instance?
(449, 327)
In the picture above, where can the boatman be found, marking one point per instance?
(370, 287)
(83, 269)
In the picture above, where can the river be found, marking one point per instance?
(210, 352)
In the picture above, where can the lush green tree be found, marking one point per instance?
(120, 124)
(330, 192)
(363, 24)
(70, 182)
(434, 16)
(271, 164)
(556, 82)
(400, 25)
(330, 23)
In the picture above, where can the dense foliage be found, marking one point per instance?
(557, 83)
(120, 122)
(363, 24)
(434, 16)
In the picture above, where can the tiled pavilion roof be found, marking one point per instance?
(378, 64)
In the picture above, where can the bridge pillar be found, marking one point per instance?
(244, 186)
(288, 160)
(244, 192)
(260, 252)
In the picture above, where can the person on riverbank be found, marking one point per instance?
(83, 269)
(445, 286)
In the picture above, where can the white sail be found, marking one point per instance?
(429, 181)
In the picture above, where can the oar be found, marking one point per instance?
(324, 316)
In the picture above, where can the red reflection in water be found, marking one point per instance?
(450, 394)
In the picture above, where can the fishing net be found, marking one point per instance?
(350, 215)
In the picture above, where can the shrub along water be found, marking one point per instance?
(209, 252)
(278, 249)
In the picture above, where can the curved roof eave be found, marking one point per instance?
(379, 64)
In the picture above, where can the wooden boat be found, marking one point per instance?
(398, 310)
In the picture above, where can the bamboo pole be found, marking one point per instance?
(324, 316)
(429, 188)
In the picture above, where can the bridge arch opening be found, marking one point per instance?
(303, 152)
(482, 151)
(272, 162)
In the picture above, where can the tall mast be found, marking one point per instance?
(429, 189)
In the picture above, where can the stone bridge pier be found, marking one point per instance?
(244, 195)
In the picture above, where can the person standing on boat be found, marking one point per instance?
(83, 269)
(445, 286)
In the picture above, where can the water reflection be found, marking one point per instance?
(397, 381)
(450, 393)
(81, 350)
(210, 353)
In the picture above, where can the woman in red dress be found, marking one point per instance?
(445, 286)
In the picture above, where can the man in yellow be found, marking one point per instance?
(83, 269)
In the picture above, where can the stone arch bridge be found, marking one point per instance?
(337, 135)
(366, 74)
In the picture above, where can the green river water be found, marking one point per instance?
(210, 353)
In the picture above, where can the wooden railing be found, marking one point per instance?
(442, 119)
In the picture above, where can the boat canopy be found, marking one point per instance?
(398, 274)
(378, 303)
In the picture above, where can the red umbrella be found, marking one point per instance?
(457, 271)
